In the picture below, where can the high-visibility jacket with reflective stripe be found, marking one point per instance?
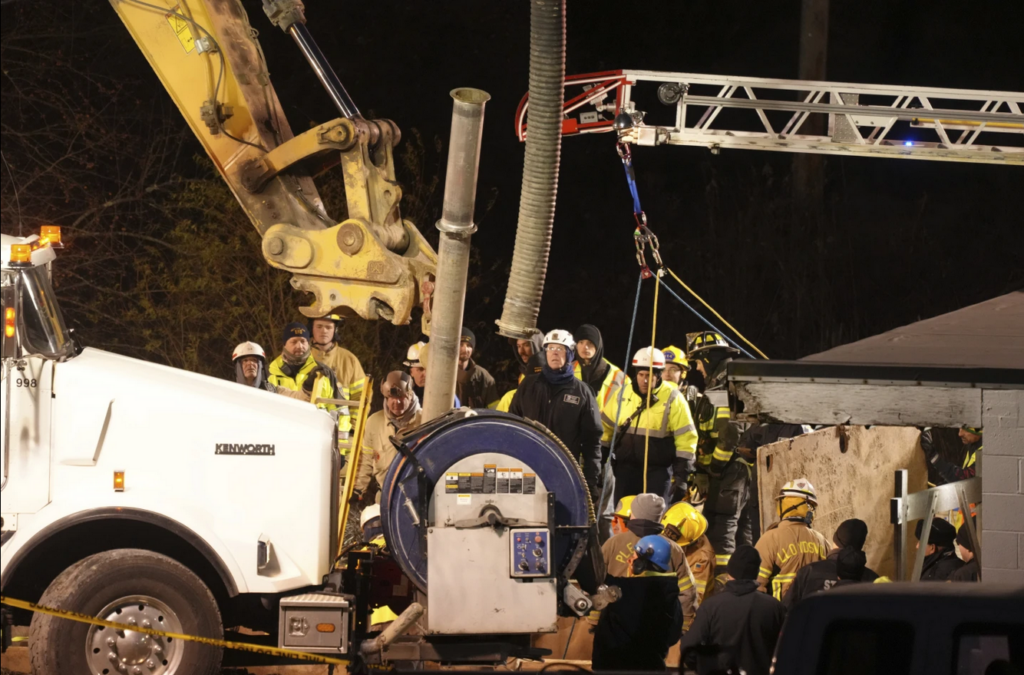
(347, 371)
(665, 430)
(785, 548)
(718, 434)
(700, 556)
(326, 387)
(613, 382)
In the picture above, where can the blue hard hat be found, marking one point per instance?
(655, 549)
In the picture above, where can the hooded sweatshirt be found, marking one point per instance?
(596, 371)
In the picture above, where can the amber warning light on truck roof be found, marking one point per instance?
(21, 254)
(50, 234)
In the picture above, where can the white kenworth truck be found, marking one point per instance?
(147, 495)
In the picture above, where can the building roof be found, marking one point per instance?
(987, 335)
(980, 345)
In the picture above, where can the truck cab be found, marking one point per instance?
(134, 487)
(907, 628)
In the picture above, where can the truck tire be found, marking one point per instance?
(134, 587)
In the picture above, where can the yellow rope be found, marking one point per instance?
(720, 317)
(650, 374)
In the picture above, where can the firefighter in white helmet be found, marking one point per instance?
(251, 370)
(417, 369)
(662, 437)
(791, 543)
(565, 405)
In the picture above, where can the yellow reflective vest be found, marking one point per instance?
(613, 380)
(665, 430)
(347, 371)
(324, 387)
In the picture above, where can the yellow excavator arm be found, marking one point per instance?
(374, 264)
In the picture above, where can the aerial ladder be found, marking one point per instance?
(373, 264)
(755, 113)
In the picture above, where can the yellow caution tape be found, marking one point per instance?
(236, 646)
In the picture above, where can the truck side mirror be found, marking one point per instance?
(10, 335)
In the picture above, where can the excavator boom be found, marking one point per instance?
(206, 54)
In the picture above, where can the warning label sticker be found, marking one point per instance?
(181, 29)
(515, 482)
(492, 480)
(465, 500)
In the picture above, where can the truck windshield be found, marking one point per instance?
(43, 330)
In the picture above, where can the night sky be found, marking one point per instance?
(904, 239)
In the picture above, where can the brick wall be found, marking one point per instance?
(1002, 472)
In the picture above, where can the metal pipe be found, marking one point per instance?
(328, 78)
(456, 226)
(397, 628)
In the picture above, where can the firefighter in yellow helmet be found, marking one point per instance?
(728, 476)
(622, 515)
(686, 526)
(791, 544)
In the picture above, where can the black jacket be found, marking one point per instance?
(475, 387)
(941, 565)
(570, 412)
(636, 631)
(741, 619)
(969, 572)
(819, 576)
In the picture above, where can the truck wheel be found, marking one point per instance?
(133, 587)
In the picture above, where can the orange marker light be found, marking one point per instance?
(119, 481)
(325, 628)
(50, 233)
(21, 253)
(9, 322)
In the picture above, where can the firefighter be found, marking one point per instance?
(297, 370)
(676, 366)
(620, 519)
(663, 437)
(940, 561)
(602, 377)
(251, 370)
(635, 632)
(326, 333)
(401, 413)
(746, 623)
(474, 386)
(686, 526)
(728, 476)
(417, 370)
(791, 544)
(566, 406)
(822, 575)
(645, 515)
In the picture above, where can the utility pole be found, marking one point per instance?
(809, 169)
